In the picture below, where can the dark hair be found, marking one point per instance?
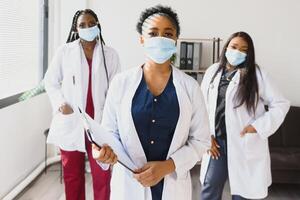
(160, 10)
(73, 34)
(248, 86)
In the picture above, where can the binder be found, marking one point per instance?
(189, 55)
(197, 55)
(183, 51)
(194, 75)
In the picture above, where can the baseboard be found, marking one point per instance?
(21, 186)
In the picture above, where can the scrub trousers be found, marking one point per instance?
(73, 163)
(216, 176)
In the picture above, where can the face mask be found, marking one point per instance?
(159, 49)
(88, 34)
(235, 57)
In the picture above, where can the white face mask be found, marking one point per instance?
(89, 34)
(235, 57)
(159, 49)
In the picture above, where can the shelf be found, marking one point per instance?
(199, 39)
(199, 71)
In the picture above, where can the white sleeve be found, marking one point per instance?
(198, 140)
(278, 107)
(53, 79)
(115, 65)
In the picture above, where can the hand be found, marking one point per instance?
(153, 172)
(65, 109)
(105, 154)
(214, 149)
(248, 130)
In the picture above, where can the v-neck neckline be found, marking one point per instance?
(165, 88)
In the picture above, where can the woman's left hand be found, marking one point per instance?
(248, 130)
(153, 172)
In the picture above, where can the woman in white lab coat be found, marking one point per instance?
(79, 75)
(158, 114)
(236, 92)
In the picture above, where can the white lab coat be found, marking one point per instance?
(66, 81)
(248, 157)
(191, 138)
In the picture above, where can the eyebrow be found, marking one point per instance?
(171, 29)
(241, 47)
(166, 29)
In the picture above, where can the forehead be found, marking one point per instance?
(86, 17)
(239, 41)
(159, 22)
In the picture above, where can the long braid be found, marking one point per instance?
(73, 34)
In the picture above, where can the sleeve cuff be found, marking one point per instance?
(104, 166)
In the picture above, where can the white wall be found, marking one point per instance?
(22, 124)
(273, 25)
(22, 140)
(60, 20)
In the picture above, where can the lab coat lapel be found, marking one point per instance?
(99, 83)
(185, 110)
(137, 153)
(212, 96)
(76, 61)
(84, 75)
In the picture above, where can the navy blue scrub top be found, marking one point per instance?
(155, 119)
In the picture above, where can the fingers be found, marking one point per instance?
(214, 150)
(215, 143)
(66, 109)
(146, 175)
(215, 154)
(104, 155)
(244, 132)
(146, 178)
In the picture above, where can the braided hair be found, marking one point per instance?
(73, 34)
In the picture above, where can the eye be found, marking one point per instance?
(91, 24)
(169, 35)
(153, 34)
(232, 47)
(81, 25)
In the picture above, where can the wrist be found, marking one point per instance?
(170, 166)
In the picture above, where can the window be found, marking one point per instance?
(21, 46)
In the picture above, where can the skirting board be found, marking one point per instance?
(21, 186)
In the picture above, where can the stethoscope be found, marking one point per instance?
(212, 84)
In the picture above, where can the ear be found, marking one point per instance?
(176, 41)
(142, 40)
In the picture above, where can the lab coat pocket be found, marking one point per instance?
(63, 124)
(255, 147)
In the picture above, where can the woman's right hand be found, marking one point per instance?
(104, 155)
(214, 149)
(65, 109)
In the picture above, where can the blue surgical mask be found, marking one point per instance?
(88, 34)
(159, 49)
(235, 57)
